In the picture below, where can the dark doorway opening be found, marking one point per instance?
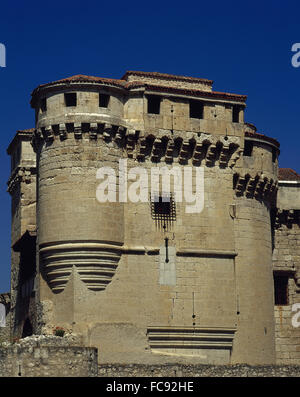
(27, 328)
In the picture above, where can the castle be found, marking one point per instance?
(149, 282)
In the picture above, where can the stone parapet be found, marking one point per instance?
(38, 357)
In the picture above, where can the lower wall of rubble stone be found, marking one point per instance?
(48, 361)
(138, 370)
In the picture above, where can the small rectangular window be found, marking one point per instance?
(154, 104)
(43, 104)
(103, 100)
(248, 148)
(236, 114)
(274, 154)
(71, 99)
(196, 109)
(281, 283)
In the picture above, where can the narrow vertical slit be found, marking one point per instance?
(167, 251)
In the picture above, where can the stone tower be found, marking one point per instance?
(149, 281)
(22, 188)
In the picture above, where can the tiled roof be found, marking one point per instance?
(85, 79)
(199, 93)
(287, 174)
(165, 76)
(256, 135)
(135, 84)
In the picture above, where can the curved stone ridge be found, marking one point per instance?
(190, 337)
(261, 137)
(96, 263)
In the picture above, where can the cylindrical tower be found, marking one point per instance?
(76, 234)
(255, 184)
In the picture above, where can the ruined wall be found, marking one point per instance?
(48, 361)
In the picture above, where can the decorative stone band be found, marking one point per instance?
(258, 186)
(95, 262)
(190, 337)
(20, 174)
(167, 146)
(287, 217)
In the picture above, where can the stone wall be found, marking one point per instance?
(52, 357)
(286, 261)
(5, 330)
(170, 370)
(169, 80)
(287, 337)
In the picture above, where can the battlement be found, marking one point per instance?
(140, 101)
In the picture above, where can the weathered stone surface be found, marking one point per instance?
(41, 360)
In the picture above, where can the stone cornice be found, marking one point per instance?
(256, 186)
(166, 145)
(286, 217)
